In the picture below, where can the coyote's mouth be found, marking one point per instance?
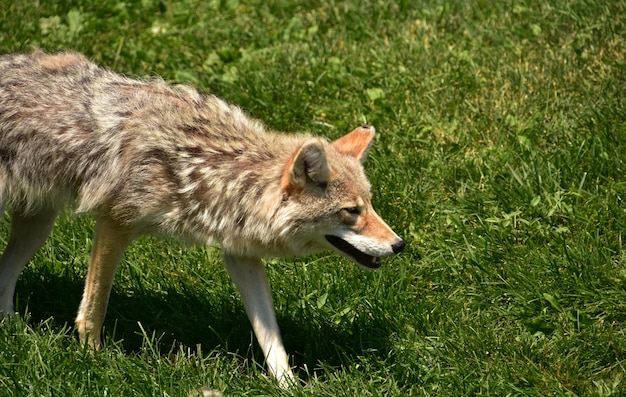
(368, 261)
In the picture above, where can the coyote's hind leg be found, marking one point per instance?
(29, 230)
(110, 241)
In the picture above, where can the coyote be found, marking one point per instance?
(145, 157)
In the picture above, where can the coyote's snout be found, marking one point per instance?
(146, 157)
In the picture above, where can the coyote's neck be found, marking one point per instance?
(229, 182)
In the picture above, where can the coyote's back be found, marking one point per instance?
(146, 157)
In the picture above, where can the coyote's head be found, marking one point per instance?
(328, 198)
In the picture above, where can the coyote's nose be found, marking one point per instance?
(398, 246)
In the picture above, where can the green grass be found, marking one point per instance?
(501, 158)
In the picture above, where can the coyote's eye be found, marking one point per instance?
(352, 210)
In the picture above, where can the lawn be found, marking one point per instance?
(500, 158)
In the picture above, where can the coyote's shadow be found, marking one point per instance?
(171, 317)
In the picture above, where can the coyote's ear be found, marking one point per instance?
(357, 142)
(307, 165)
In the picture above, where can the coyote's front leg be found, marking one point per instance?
(250, 279)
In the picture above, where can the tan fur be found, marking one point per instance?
(146, 157)
(56, 63)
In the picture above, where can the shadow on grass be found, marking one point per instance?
(172, 318)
